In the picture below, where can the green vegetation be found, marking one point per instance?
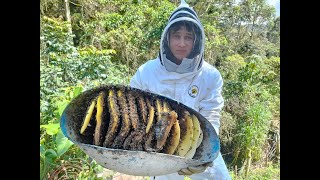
(104, 42)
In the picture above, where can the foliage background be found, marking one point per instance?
(105, 41)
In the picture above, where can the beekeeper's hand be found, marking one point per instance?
(195, 169)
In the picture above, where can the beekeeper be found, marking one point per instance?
(181, 73)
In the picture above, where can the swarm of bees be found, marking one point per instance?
(122, 118)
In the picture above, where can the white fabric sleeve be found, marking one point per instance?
(212, 103)
(136, 80)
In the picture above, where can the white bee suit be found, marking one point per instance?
(206, 99)
(194, 83)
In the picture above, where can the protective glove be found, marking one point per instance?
(195, 169)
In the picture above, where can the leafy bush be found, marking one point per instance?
(260, 173)
(230, 66)
(133, 30)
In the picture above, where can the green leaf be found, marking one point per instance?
(61, 106)
(101, 66)
(42, 149)
(77, 91)
(51, 129)
(63, 144)
(50, 155)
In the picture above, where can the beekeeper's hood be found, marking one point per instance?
(195, 59)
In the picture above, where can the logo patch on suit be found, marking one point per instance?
(193, 91)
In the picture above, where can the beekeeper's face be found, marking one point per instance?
(181, 42)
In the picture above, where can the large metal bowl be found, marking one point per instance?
(138, 163)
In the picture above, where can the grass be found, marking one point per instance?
(272, 172)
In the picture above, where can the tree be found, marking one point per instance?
(256, 14)
(273, 33)
(68, 16)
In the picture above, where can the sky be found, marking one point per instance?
(276, 4)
